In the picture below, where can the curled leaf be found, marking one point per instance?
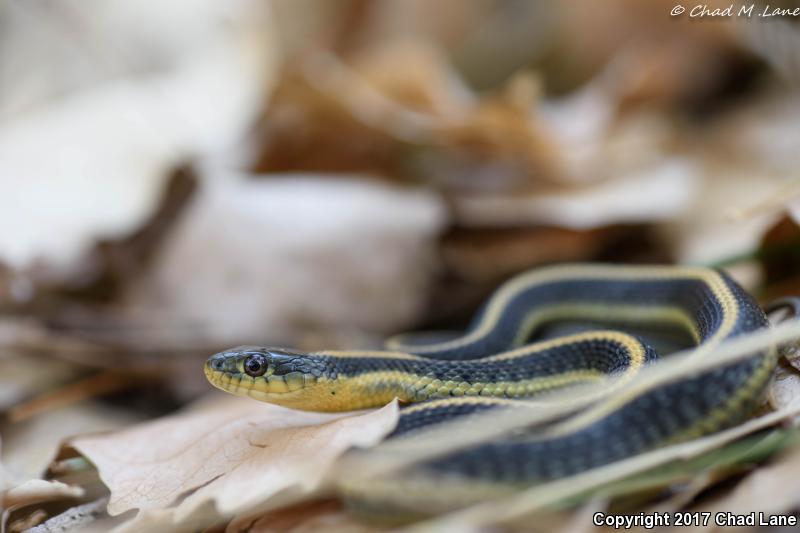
(234, 453)
(39, 490)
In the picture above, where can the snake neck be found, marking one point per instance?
(356, 380)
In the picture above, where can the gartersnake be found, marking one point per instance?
(509, 352)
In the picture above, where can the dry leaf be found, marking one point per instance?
(31, 520)
(28, 447)
(324, 117)
(418, 122)
(706, 234)
(275, 259)
(87, 518)
(491, 255)
(784, 389)
(590, 36)
(119, 137)
(23, 376)
(772, 489)
(779, 258)
(313, 516)
(499, 145)
(39, 490)
(761, 136)
(234, 453)
(658, 193)
(417, 74)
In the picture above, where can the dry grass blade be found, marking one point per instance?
(104, 382)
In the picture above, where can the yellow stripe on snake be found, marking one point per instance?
(509, 353)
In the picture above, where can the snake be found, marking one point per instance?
(549, 328)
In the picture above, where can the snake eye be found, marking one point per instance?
(255, 365)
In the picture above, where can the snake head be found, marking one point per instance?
(262, 372)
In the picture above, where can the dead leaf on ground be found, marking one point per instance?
(779, 257)
(275, 259)
(493, 254)
(772, 489)
(119, 134)
(660, 192)
(234, 453)
(425, 125)
(784, 389)
(86, 518)
(24, 524)
(327, 515)
(39, 490)
(29, 446)
(23, 376)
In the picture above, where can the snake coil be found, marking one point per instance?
(517, 348)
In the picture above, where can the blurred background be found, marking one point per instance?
(177, 178)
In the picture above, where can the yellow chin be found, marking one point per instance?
(298, 392)
(290, 390)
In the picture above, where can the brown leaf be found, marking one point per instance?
(784, 389)
(493, 254)
(29, 446)
(232, 452)
(87, 518)
(772, 489)
(324, 117)
(780, 259)
(417, 75)
(23, 376)
(400, 111)
(135, 123)
(656, 193)
(260, 271)
(39, 490)
(327, 515)
(27, 522)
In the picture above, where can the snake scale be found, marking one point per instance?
(514, 350)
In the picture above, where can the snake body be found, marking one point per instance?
(507, 355)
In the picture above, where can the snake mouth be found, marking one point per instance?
(261, 387)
